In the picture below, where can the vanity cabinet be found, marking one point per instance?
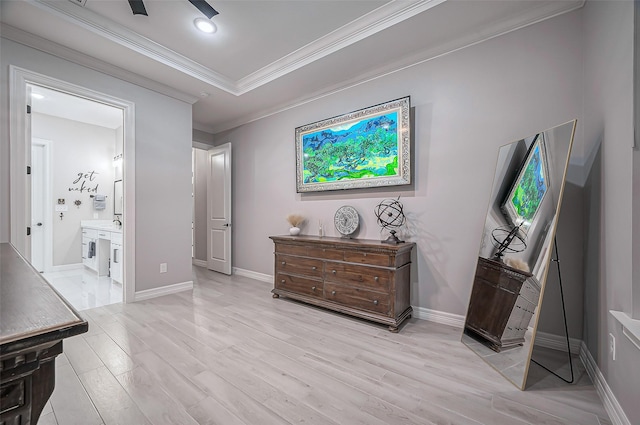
(503, 301)
(115, 270)
(363, 278)
(89, 248)
(102, 249)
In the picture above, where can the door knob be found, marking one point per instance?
(226, 225)
(39, 224)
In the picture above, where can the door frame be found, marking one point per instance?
(20, 158)
(48, 202)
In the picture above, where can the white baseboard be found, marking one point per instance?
(253, 275)
(66, 267)
(163, 290)
(199, 263)
(611, 405)
(558, 342)
(444, 318)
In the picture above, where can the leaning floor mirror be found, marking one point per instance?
(515, 250)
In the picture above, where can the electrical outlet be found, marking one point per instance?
(163, 267)
(612, 346)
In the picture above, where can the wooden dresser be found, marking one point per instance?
(34, 320)
(363, 278)
(503, 300)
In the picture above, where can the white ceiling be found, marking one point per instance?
(266, 55)
(64, 105)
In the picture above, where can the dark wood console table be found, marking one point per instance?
(34, 319)
(363, 278)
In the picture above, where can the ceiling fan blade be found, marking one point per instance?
(204, 7)
(137, 7)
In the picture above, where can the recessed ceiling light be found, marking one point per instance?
(205, 25)
(37, 96)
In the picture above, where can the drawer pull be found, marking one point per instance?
(375, 302)
(282, 281)
(333, 292)
(313, 288)
(365, 254)
(376, 278)
(283, 263)
(314, 268)
(333, 271)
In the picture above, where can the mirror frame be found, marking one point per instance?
(493, 354)
(118, 197)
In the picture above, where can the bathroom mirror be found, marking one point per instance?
(117, 197)
(516, 247)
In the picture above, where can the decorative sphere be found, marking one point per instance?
(390, 213)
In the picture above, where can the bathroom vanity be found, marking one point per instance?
(102, 248)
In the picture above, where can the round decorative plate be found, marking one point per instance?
(346, 220)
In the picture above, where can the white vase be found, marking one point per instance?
(294, 231)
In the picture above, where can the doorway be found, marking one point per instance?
(20, 185)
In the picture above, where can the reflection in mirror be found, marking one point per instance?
(516, 246)
(117, 197)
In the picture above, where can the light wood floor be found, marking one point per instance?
(228, 353)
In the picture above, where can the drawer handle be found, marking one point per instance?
(365, 254)
(333, 292)
(283, 263)
(314, 268)
(282, 281)
(375, 302)
(333, 271)
(313, 288)
(376, 278)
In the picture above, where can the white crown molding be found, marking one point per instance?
(371, 23)
(19, 36)
(540, 14)
(117, 33)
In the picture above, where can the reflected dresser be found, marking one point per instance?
(34, 320)
(362, 278)
(503, 300)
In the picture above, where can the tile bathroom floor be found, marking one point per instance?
(84, 289)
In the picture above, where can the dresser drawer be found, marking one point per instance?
(375, 259)
(89, 233)
(311, 251)
(299, 285)
(360, 276)
(299, 265)
(356, 297)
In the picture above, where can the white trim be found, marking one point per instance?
(18, 80)
(48, 201)
(201, 146)
(253, 275)
(67, 267)
(630, 327)
(48, 46)
(163, 290)
(199, 263)
(442, 317)
(557, 342)
(611, 405)
(369, 24)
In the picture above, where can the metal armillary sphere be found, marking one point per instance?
(508, 239)
(390, 215)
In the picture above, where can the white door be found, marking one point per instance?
(38, 216)
(219, 209)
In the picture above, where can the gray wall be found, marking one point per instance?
(163, 163)
(608, 82)
(466, 105)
